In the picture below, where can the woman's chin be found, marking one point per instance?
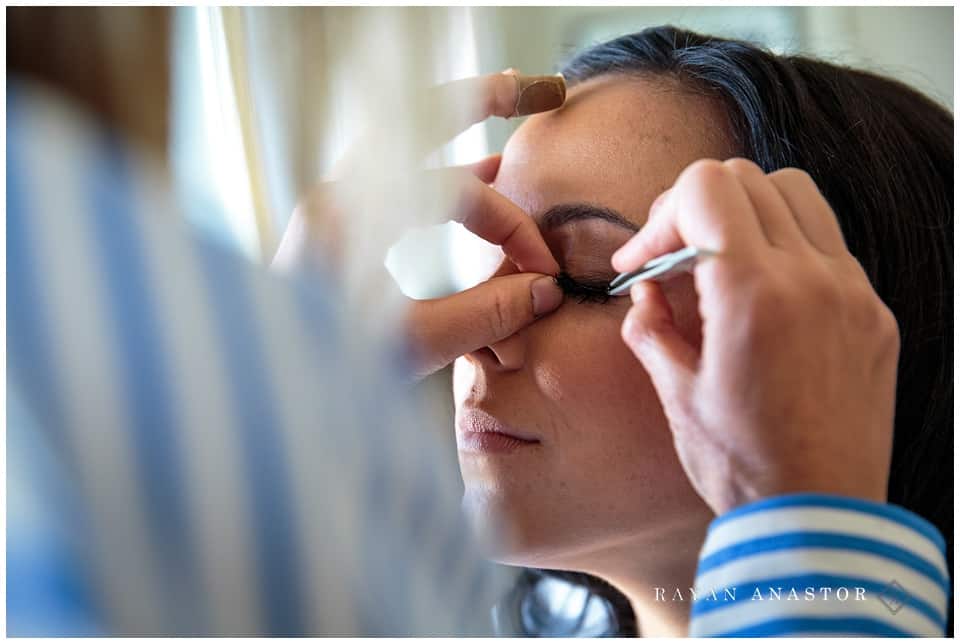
(504, 532)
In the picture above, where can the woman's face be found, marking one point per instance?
(603, 469)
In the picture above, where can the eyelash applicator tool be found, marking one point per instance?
(659, 268)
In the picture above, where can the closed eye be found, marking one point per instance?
(584, 289)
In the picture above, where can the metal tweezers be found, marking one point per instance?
(659, 269)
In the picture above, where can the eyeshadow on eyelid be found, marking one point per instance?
(588, 264)
(586, 241)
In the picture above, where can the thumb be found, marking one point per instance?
(650, 332)
(443, 329)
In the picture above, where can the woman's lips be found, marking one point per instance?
(478, 431)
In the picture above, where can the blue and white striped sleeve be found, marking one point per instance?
(816, 565)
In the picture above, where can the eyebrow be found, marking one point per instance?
(563, 214)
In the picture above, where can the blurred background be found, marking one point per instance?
(260, 95)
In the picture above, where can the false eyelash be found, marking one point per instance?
(586, 291)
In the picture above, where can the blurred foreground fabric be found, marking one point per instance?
(197, 447)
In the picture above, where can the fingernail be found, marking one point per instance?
(547, 296)
(625, 257)
(539, 94)
(619, 256)
(615, 258)
(637, 292)
(658, 202)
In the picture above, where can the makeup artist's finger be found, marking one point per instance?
(708, 208)
(486, 169)
(658, 203)
(490, 215)
(455, 106)
(441, 330)
(314, 232)
(777, 222)
(650, 332)
(810, 210)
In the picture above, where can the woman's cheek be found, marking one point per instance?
(578, 356)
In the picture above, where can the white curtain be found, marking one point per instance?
(269, 98)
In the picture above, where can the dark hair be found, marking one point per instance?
(882, 155)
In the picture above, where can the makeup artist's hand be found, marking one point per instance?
(793, 387)
(440, 330)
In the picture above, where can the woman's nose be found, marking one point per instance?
(505, 355)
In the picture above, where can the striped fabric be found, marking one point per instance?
(229, 460)
(811, 564)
